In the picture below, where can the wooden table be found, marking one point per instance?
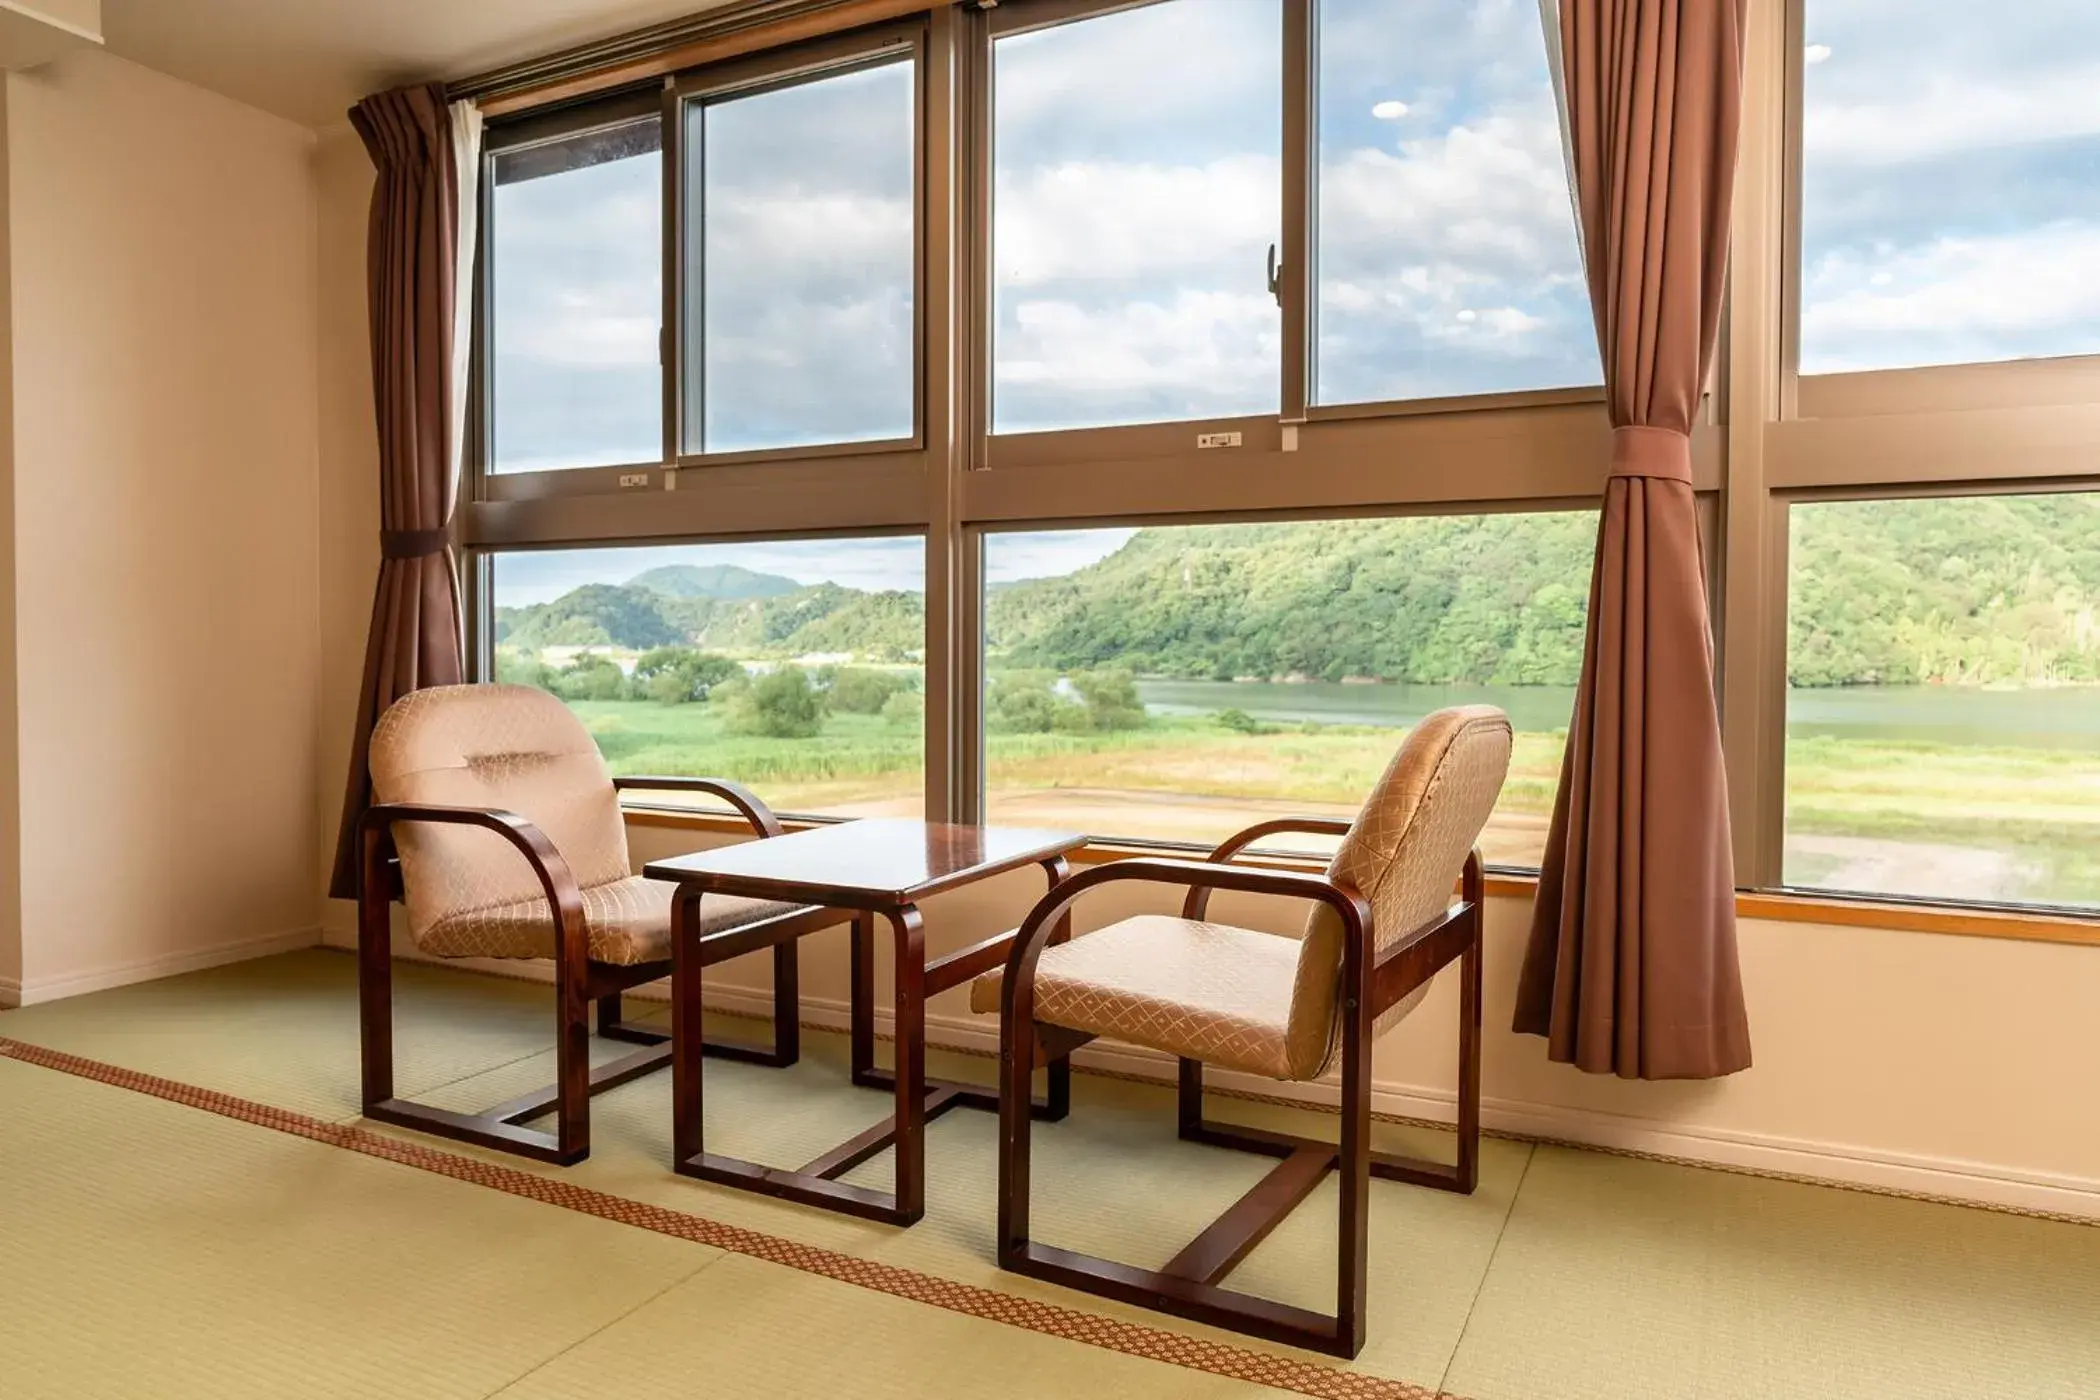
(877, 867)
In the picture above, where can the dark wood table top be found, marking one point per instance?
(876, 863)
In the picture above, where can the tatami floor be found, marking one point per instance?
(190, 1206)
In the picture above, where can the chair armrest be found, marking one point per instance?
(1199, 898)
(1018, 990)
(736, 795)
(564, 897)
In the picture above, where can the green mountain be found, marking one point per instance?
(1464, 598)
(825, 617)
(1979, 591)
(712, 581)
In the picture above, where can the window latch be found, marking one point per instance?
(1275, 276)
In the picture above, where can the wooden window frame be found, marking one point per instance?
(1769, 436)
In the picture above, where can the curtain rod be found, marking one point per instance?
(639, 55)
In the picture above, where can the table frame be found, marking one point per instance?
(918, 1100)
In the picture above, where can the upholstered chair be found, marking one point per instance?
(494, 820)
(1284, 1006)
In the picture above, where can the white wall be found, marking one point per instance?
(164, 495)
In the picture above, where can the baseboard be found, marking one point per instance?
(30, 991)
(1761, 1154)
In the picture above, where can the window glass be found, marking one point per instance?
(794, 667)
(1943, 726)
(1950, 210)
(1136, 192)
(1180, 683)
(575, 281)
(801, 215)
(1447, 257)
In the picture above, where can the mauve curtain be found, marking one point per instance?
(1631, 968)
(420, 243)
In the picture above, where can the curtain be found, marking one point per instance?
(419, 251)
(1631, 967)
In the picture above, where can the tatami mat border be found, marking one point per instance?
(1110, 1334)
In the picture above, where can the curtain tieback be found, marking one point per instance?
(1661, 453)
(413, 544)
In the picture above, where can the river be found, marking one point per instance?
(2056, 718)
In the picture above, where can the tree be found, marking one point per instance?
(905, 710)
(857, 690)
(681, 675)
(1023, 702)
(782, 704)
(1111, 699)
(592, 677)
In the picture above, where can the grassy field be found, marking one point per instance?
(1972, 823)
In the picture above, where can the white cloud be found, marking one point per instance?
(1954, 300)
(1911, 115)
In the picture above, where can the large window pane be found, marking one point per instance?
(1951, 170)
(795, 667)
(1137, 189)
(1943, 726)
(1180, 683)
(801, 212)
(575, 273)
(1447, 259)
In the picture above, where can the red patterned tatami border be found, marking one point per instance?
(1091, 1329)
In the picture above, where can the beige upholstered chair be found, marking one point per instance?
(510, 844)
(1383, 922)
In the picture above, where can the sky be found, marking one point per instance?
(1951, 174)
(1951, 213)
(539, 576)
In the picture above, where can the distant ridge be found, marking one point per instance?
(729, 581)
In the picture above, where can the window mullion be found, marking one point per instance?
(1294, 277)
(671, 333)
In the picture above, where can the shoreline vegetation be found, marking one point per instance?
(1198, 678)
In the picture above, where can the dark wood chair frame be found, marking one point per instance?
(579, 981)
(1372, 981)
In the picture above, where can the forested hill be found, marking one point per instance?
(1493, 598)
(1902, 592)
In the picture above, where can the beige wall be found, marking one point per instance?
(165, 505)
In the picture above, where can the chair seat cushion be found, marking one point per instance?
(1211, 992)
(627, 921)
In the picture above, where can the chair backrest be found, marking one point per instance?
(508, 747)
(1403, 854)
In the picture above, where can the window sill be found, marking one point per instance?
(1779, 908)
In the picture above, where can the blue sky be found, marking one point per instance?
(1952, 213)
(537, 576)
(1951, 164)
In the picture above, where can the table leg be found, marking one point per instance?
(863, 999)
(686, 1031)
(910, 1062)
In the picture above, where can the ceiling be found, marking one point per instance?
(309, 60)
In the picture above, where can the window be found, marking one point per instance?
(1179, 683)
(575, 295)
(1943, 730)
(799, 315)
(1447, 261)
(794, 667)
(1950, 210)
(1136, 194)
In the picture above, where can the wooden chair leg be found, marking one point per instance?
(1188, 1100)
(375, 972)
